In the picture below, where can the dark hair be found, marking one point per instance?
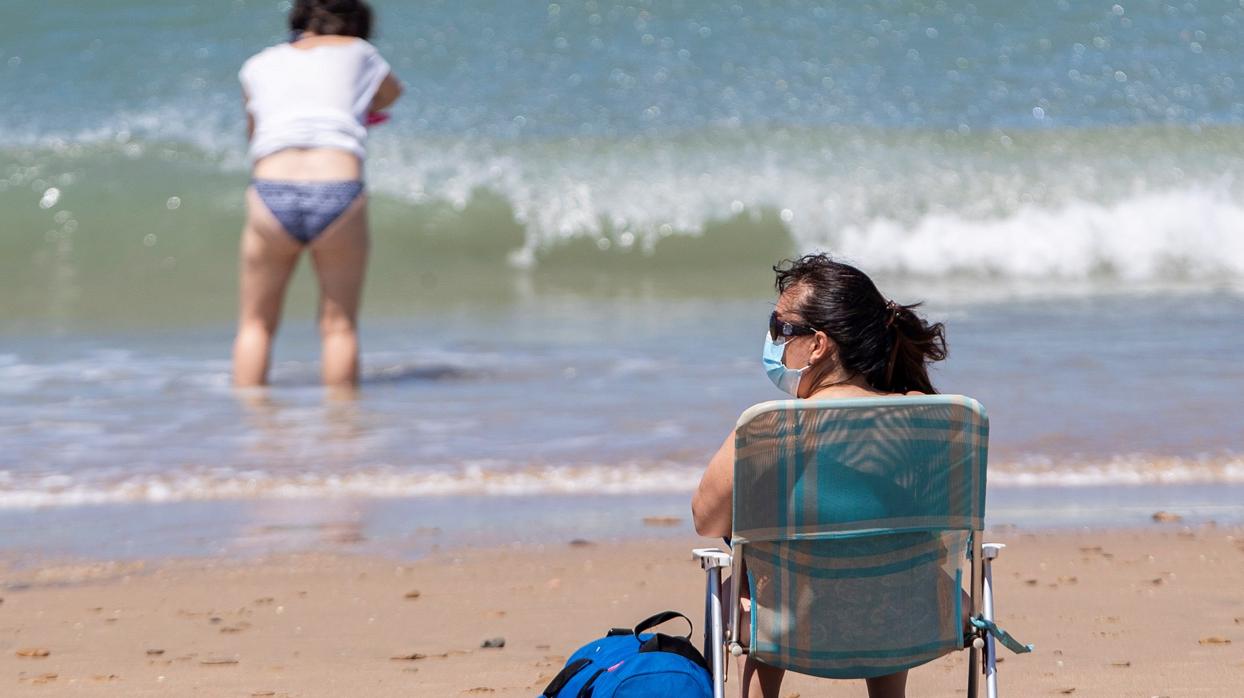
(341, 17)
(885, 342)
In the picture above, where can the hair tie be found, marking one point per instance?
(894, 309)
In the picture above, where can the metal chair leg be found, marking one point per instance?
(990, 551)
(712, 560)
(977, 592)
(716, 640)
(973, 657)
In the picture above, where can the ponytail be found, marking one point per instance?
(913, 345)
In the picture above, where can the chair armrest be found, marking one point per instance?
(991, 551)
(711, 557)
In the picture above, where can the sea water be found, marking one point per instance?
(575, 208)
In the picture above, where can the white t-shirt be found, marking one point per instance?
(311, 98)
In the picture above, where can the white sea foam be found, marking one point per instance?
(479, 478)
(1186, 234)
(899, 214)
(491, 478)
(1065, 209)
(1132, 469)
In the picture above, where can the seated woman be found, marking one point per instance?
(831, 335)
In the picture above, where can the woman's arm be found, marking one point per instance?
(388, 92)
(250, 120)
(712, 502)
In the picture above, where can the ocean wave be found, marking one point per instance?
(492, 478)
(1053, 206)
(1132, 469)
(477, 479)
(1188, 234)
(1044, 207)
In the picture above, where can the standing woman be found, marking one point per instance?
(308, 103)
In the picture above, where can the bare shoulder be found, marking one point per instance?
(311, 42)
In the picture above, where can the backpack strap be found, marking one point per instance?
(564, 676)
(674, 644)
(590, 686)
(664, 616)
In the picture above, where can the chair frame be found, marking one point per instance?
(720, 638)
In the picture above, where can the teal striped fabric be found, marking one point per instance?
(853, 518)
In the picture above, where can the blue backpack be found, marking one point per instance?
(631, 663)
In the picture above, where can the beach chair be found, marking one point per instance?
(856, 522)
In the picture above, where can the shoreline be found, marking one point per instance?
(412, 528)
(1112, 613)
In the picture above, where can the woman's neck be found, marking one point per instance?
(853, 386)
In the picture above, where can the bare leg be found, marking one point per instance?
(889, 686)
(340, 257)
(268, 258)
(759, 679)
(756, 679)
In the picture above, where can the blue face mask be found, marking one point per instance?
(786, 379)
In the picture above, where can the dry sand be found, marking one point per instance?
(1155, 612)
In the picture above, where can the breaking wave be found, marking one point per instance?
(490, 478)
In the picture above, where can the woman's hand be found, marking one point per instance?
(711, 505)
(388, 92)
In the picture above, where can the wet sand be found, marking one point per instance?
(1157, 611)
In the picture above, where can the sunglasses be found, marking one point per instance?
(781, 331)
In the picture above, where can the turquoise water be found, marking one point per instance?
(555, 392)
(575, 209)
(1019, 141)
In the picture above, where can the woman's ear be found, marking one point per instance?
(822, 348)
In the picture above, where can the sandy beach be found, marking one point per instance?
(1147, 612)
